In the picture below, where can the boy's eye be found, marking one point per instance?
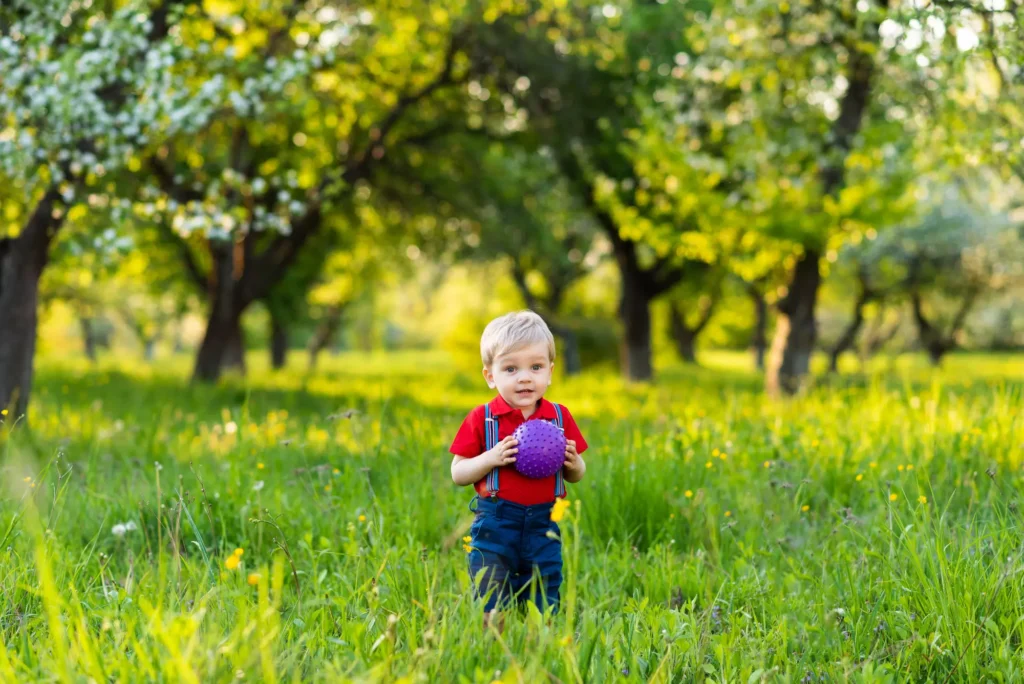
(537, 366)
(510, 369)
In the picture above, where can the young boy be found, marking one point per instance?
(511, 534)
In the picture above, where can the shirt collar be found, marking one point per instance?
(546, 409)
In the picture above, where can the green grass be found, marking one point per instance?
(869, 531)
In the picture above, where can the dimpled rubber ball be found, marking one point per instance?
(541, 448)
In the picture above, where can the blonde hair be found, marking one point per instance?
(514, 331)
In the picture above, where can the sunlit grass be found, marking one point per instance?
(868, 531)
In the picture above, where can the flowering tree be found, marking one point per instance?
(84, 89)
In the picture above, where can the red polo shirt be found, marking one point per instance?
(471, 442)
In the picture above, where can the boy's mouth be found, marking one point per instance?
(524, 391)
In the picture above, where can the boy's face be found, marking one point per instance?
(521, 376)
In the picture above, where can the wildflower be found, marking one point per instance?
(253, 579)
(337, 472)
(239, 552)
(231, 427)
(3, 412)
(728, 514)
(118, 530)
(130, 526)
(922, 499)
(872, 465)
(362, 518)
(259, 466)
(672, 516)
(893, 497)
(689, 493)
(558, 510)
(467, 548)
(232, 561)
(257, 486)
(467, 539)
(767, 464)
(708, 464)
(910, 466)
(327, 488)
(860, 476)
(900, 467)
(566, 640)
(27, 479)
(805, 508)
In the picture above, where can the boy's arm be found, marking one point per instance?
(467, 471)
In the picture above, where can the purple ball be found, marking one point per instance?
(541, 449)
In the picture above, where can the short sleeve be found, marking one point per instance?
(469, 440)
(572, 431)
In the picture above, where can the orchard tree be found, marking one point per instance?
(85, 88)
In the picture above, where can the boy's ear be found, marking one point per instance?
(488, 377)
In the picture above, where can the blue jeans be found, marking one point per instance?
(510, 545)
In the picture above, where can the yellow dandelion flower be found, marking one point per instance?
(910, 466)
(253, 578)
(337, 472)
(362, 518)
(805, 508)
(559, 509)
(467, 539)
(27, 479)
(714, 452)
(327, 488)
(922, 499)
(723, 455)
(767, 464)
(259, 466)
(872, 465)
(566, 640)
(3, 412)
(893, 497)
(728, 514)
(709, 464)
(239, 552)
(231, 563)
(900, 467)
(467, 548)
(689, 493)
(860, 476)
(671, 516)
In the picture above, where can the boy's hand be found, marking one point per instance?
(572, 459)
(503, 453)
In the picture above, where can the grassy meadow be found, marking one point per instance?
(305, 528)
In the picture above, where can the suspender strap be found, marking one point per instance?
(491, 439)
(559, 482)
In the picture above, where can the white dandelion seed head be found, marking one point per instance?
(118, 530)
(258, 486)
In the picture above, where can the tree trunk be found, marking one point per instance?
(849, 335)
(88, 337)
(635, 314)
(278, 342)
(570, 348)
(685, 336)
(325, 332)
(796, 330)
(22, 260)
(571, 351)
(759, 342)
(223, 346)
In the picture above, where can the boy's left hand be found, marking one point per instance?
(572, 459)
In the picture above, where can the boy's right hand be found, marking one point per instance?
(503, 453)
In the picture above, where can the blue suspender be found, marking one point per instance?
(491, 440)
(559, 483)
